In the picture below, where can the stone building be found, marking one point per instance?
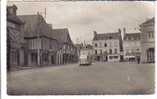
(148, 41)
(31, 41)
(15, 41)
(132, 46)
(108, 46)
(67, 52)
(41, 48)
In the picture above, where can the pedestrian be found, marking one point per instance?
(138, 60)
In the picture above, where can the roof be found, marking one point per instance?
(135, 36)
(35, 25)
(61, 35)
(149, 21)
(106, 36)
(15, 19)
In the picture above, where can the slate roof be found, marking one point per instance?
(106, 36)
(35, 25)
(61, 35)
(135, 36)
(150, 21)
(15, 19)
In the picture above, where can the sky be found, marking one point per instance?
(82, 18)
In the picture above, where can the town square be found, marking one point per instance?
(80, 48)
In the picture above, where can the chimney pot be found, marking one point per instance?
(94, 33)
(119, 30)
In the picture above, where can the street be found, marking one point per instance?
(98, 78)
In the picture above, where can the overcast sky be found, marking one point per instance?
(82, 18)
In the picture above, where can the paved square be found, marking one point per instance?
(98, 78)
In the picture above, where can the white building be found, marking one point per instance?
(148, 41)
(132, 46)
(108, 46)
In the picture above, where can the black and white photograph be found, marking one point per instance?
(80, 47)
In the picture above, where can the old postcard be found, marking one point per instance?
(80, 48)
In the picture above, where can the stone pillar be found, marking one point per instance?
(21, 57)
(49, 58)
(29, 59)
(144, 55)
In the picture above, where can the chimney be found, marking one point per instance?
(11, 10)
(14, 9)
(94, 33)
(124, 30)
(119, 30)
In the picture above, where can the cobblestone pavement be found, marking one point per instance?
(72, 79)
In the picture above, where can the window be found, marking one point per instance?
(100, 51)
(149, 35)
(115, 56)
(110, 57)
(95, 51)
(152, 35)
(105, 52)
(110, 51)
(96, 45)
(115, 51)
(105, 45)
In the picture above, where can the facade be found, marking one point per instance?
(132, 46)
(148, 41)
(41, 48)
(15, 41)
(67, 52)
(108, 46)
